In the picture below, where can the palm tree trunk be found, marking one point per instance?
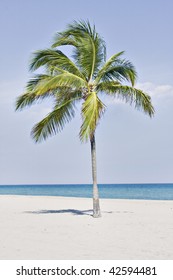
(96, 206)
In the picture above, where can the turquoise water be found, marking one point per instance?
(121, 191)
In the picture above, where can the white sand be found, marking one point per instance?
(57, 228)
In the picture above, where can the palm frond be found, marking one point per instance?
(108, 86)
(117, 69)
(92, 110)
(41, 57)
(65, 94)
(107, 65)
(63, 80)
(72, 34)
(89, 49)
(63, 39)
(30, 97)
(55, 121)
(44, 86)
(54, 58)
(131, 95)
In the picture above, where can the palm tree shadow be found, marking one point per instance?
(64, 211)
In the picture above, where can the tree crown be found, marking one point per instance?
(80, 78)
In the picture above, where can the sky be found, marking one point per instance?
(131, 147)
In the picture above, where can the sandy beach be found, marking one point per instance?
(35, 227)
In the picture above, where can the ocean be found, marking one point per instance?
(116, 191)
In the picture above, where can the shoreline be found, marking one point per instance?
(79, 197)
(53, 227)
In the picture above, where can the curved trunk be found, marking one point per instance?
(96, 206)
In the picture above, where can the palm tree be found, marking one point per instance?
(81, 78)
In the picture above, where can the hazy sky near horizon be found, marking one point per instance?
(131, 147)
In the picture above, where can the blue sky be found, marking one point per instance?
(131, 148)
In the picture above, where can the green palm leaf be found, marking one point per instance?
(54, 122)
(89, 47)
(131, 95)
(107, 65)
(30, 97)
(63, 80)
(92, 110)
(117, 69)
(54, 58)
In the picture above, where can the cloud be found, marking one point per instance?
(156, 91)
